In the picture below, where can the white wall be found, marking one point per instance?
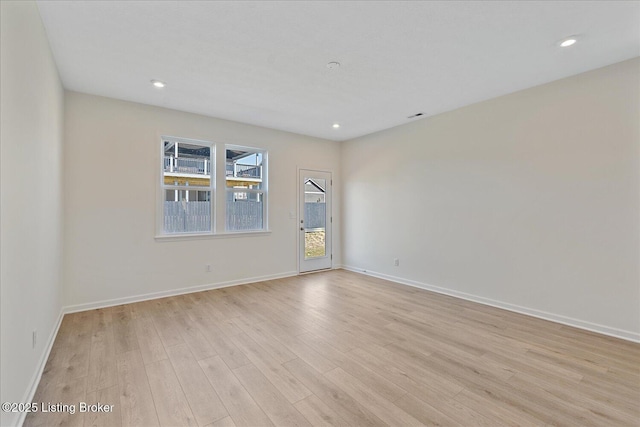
(31, 125)
(112, 160)
(529, 201)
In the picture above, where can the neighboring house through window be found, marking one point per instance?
(189, 191)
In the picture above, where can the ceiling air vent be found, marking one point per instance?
(415, 115)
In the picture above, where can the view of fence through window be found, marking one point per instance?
(246, 189)
(188, 192)
(187, 170)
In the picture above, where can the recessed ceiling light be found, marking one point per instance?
(336, 125)
(568, 42)
(158, 83)
(333, 65)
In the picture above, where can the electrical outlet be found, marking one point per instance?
(396, 262)
(208, 268)
(34, 338)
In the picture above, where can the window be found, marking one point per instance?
(187, 186)
(246, 188)
(187, 196)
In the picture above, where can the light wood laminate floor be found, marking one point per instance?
(334, 348)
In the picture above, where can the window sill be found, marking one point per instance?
(199, 236)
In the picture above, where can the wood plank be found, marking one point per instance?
(140, 309)
(402, 377)
(169, 307)
(352, 365)
(168, 331)
(103, 372)
(121, 312)
(194, 338)
(243, 409)
(171, 404)
(442, 412)
(61, 406)
(232, 356)
(151, 347)
(75, 356)
(106, 396)
(136, 402)
(318, 413)
(499, 413)
(333, 396)
(225, 422)
(103, 318)
(382, 408)
(272, 402)
(266, 341)
(286, 383)
(583, 409)
(124, 334)
(204, 402)
(306, 353)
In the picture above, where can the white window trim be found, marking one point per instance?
(199, 236)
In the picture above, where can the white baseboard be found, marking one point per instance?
(35, 380)
(173, 292)
(558, 318)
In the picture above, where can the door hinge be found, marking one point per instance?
(331, 256)
(331, 220)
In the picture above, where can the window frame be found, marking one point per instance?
(218, 198)
(264, 191)
(162, 188)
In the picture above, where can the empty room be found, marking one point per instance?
(320, 213)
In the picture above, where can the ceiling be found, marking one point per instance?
(265, 63)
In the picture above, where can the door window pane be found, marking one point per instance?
(315, 217)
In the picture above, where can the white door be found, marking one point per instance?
(315, 220)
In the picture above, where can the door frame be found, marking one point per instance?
(300, 215)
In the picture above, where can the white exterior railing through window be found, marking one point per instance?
(186, 165)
